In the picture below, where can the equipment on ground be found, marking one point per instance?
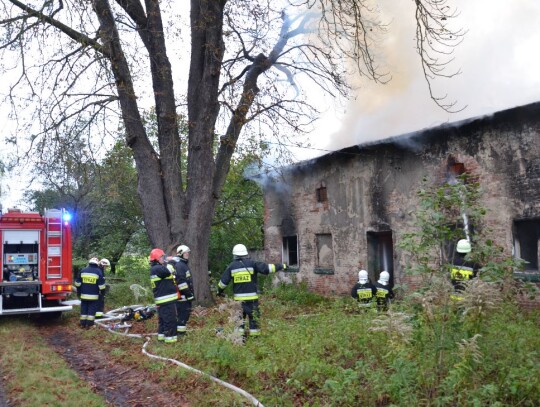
(35, 253)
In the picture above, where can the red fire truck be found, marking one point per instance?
(36, 262)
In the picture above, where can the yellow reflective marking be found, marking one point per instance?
(460, 274)
(242, 277)
(89, 279)
(365, 294)
(381, 293)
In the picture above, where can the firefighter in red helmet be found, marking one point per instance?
(165, 296)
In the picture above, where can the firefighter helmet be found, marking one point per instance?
(384, 278)
(239, 250)
(156, 254)
(182, 249)
(362, 276)
(94, 260)
(463, 246)
(105, 263)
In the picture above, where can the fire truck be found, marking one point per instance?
(36, 262)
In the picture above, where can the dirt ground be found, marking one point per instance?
(118, 383)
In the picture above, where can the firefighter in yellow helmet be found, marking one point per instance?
(243, 273)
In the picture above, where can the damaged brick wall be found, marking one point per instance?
(363, 197)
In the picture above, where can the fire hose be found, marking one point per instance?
(119, 318)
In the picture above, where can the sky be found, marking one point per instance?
(498, 59)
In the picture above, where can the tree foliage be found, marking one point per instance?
(101, 196)
(84, 62)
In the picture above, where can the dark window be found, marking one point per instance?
(380, 254)
(526, 238)
(290, 250)
(325, 252)
(322, 196)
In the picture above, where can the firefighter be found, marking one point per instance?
(89, 283)
(461, 270)
(383, 292)
(184, 282)
(363, 290)
(103, 265)
(165, 296)
(243, 273)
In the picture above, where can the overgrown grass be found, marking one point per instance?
(325, 352)
(320, 351)
(33, 373)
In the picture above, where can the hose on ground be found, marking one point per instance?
(119, 314)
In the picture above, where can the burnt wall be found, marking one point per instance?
(372, 189)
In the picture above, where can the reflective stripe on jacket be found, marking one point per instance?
(163, 286)
(243, 273)
(184, 280)
(90, 282)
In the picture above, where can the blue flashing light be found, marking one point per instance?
(66, 217)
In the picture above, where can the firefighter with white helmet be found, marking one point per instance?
(461, 269)
(243, 273)
(184, 283)
(383, 291)
(165, 296)
(363, 290)
(89, 283)
(103, 265)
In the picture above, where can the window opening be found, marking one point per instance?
(322, 195)
(290, 250)
(526, 241)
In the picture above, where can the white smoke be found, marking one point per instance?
(498, 59)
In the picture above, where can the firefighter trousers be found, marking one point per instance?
(183, 310)
(88, 312)
(167, 319)
(250, 309)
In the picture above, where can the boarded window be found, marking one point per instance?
(290, 250)
(380, 254)
(526, 241)
(325, 252)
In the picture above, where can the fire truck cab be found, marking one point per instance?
(36, 262)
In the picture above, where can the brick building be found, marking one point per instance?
(346, 210)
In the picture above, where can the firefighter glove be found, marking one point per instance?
(220, 293)
(284, 266)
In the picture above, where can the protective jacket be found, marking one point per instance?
(243, 273)
(461, 271)
(90, 282)
(184, 280)
(383, 293)
(364, 293)
(163, 286)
